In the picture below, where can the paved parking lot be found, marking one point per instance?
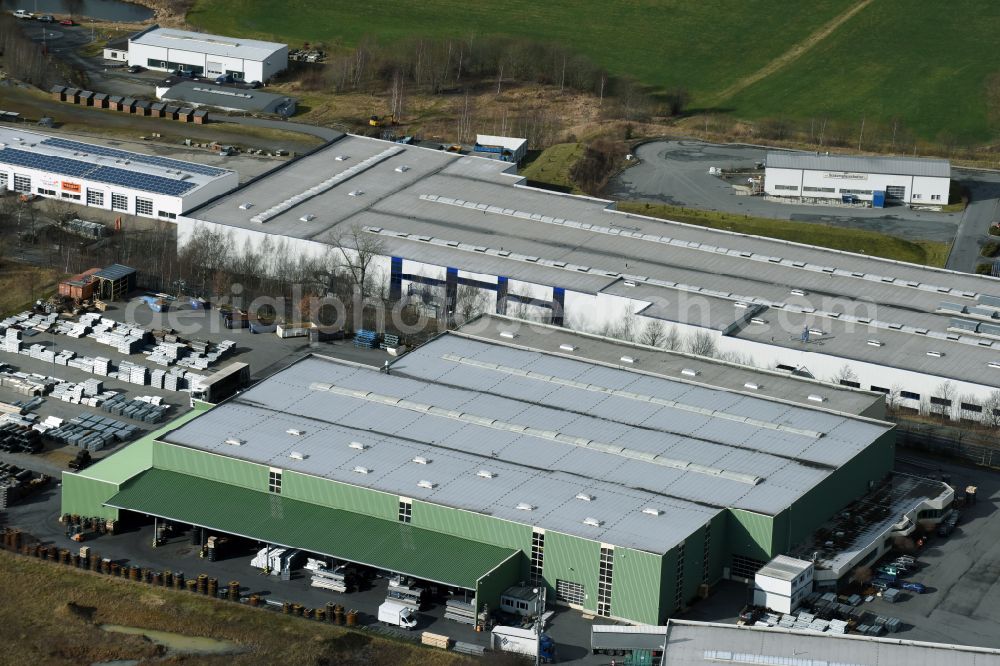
(676, 173)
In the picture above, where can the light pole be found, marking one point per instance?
(538, 625)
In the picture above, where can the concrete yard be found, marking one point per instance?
(676, 173)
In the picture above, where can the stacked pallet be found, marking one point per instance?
(92, 432)
(367, 339)
(435, 640)
(331, 579)
(147, 409)
(26, 384)
(12, 341)
(460, 611)
(102, 366)
(470, 648)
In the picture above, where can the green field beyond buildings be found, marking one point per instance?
(927, 68)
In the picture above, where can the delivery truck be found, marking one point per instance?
(524, 641)
(397, 614)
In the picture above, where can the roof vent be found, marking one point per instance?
(629, 283)
(308, 217)
(357, 445)
(524, 506)
(508, 334)
(567, 347)
(815, 397)
(757, 320)
(689, 372)
(875, 343)
(295, 431)
(295, 455)
(341, 158)
(753, 386)
(402, 168)
(355, 193)
(362, 470)
(935, 354)
(420, 460)
(246, 205)
(741, 305)
(485, 474)
(650, 511)
(994, 364)
(593, 522)
(585, 497)
(797, 292)
(232, 441)
(627, 359)
(429, 485)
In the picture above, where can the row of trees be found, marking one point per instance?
(26, 61)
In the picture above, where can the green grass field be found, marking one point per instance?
(553, 165)
(926, 64)
(839, 238)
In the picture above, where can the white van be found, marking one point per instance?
(23, 14)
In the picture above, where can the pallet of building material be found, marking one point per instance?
(435, 640)
(469, 648)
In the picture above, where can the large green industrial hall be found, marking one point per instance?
(479, 464)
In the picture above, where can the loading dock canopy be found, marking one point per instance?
(278, 520)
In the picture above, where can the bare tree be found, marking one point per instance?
(845, 376)
(672, 339)
(625, 328)
(703, 344)
(470, 302)
(991, 410)
(653, 333)
(358, 249)
(942, 401)
(892, 397)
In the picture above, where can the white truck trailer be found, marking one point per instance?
(397, 614)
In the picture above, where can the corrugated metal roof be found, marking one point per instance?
(543, 424)
(900, 166)
(282, 521)
(199, 42)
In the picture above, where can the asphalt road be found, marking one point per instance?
(676, 173)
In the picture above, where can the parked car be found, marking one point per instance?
(919, 588)
(255, 84)
(67, 22)
(23, 14)
(47, 18)
(224, 78)
(135, 69)
(882, 584)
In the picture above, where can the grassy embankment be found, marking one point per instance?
(552, 166)
(861, 241)
(882, 63)
(22, 284)
(40, 626)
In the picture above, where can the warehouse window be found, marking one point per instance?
(22, 183)
(169, 216)
(405, 510)
(848, 382)
(909, 395)
(274, 481)
(70, 195)
(787, 187)
(237, 76)
(744, 567)
(95, 198)
(156, 64)
(679, 577)
(604, 581)
(119, 202)
(971, 407)
(879, 389)
(943, 402)
(45, 192)
(143, 206)
(935, 197)
(819, 189)
(537, 556)
(849, 191)
(570, 593)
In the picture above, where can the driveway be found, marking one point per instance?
(676, 173)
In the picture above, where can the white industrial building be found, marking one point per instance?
(783, 583)
(101, 177)
(463, 233)
(207, 55)
(876, 179)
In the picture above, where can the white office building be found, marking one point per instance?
(101, 177)
(207, 55)
(783, 583)
(824, 176)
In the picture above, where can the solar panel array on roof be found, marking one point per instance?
(154, 160)
(80, 169)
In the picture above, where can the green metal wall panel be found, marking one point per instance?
(572, 559)
(718, 547)
(491, 586)
(469, 525)
(750, 534)
(82, 496)
(694, 564)
(210, 466)
(635, 586)
(838, 490)
(339, 495)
